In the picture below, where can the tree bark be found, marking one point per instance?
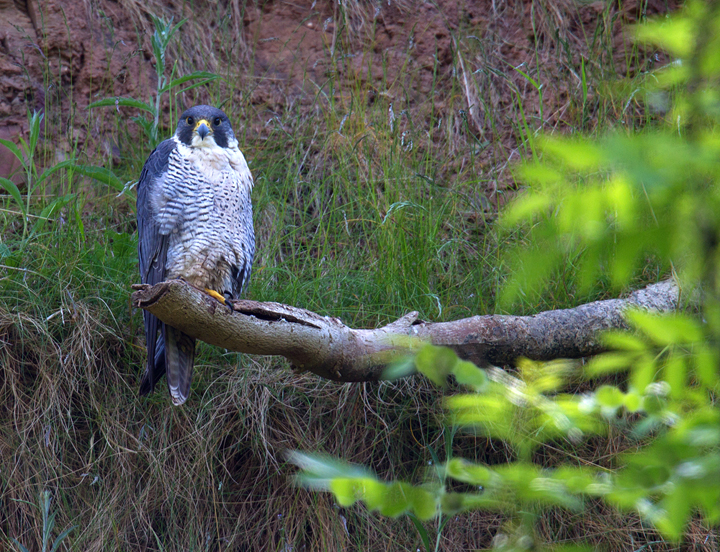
(330, 349)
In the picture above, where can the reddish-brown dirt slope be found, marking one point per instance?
(67, 54)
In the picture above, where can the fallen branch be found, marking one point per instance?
(327, 347)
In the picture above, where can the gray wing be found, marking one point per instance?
(241, 272)
(152, 246)
(152, 253)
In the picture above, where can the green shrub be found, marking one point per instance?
(610, 205)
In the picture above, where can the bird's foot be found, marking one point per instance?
(229, 300)
(224, 299)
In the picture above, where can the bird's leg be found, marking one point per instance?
(221, 298)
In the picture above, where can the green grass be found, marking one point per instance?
(358, 216)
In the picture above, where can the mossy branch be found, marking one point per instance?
(329, 348)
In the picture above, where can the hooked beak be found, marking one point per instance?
(202, 129)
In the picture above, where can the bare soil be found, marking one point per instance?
(68, 54)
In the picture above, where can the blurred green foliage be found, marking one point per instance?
(610, 204)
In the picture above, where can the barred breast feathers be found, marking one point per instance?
(213, 160)
(210, 164)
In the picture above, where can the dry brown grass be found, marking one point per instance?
(144, 475)
(135, 474)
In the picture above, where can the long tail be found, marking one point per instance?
(155, 368)
(173, 349)
(179, 360)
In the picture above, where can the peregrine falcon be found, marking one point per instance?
(194, 222)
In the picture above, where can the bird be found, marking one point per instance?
(195, 222)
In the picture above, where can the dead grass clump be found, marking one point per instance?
(137, 474)
(143, 475)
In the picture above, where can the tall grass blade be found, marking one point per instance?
(101, 174)
(13, 190)
(422, 532)
(61, 537)
(185, 78)
(50, 170)
(34, 133)
(124, 102)
(49, 211)
(20, 546)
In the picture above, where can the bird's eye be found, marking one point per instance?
(190, 120)
(217, 121)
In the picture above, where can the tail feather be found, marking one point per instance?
(155, 367)
(179, 360)
(154, 370)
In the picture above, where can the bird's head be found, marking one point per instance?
(204, 126)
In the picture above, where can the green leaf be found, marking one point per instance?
(101, 174)
(175, 29)
(632, 401)
(12, 189)
(609, 396)
(192, 76)
(531, 274)
(578, 479)
(675, 374)
(525, 208)
(197, 84)
(578, 154)
(50, 170)
(707, 360)
(35, 121)
(643, 372)
(666, 329)
(654, 405)
(466, 373)
(528, 78)
(396, 500)
(674, 516)
(624, 262)
(436, 363)
(623, 341)
(20, 546)
(319, 469)
(61, 537)
(148, 127)
(452, 503)
(609, 363)
(400, 368)
(50, 210)
(347, 491)
(158, 45)
(420, 528)
(123, 102)
(14, 150)
(467, 472)
(374, 493)
(542, 377)
(676, 34)
(424, 504)
(492, 413)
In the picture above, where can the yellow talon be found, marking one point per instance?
(216, 295)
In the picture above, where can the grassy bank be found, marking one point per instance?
(371, 199)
